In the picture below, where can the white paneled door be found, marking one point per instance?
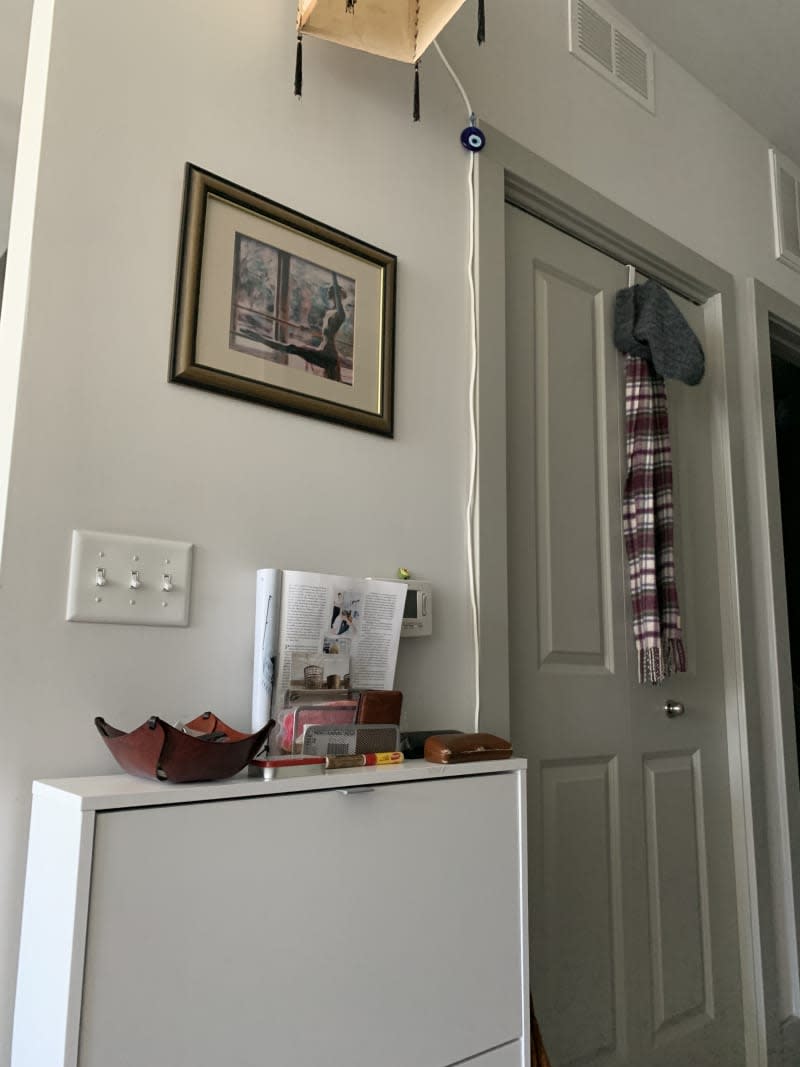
(634, 938)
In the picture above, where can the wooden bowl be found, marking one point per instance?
(161, 751)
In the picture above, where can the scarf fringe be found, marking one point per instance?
(660, 661)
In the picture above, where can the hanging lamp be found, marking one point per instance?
(394, 29)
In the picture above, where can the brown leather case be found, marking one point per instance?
(466, 748)
(157, 750)
(380, 706)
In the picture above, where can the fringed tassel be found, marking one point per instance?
(658, 662)
(350, 7)
(416, 92)
(651, 668)
(298, 67)
(481, 22)
(675, 656)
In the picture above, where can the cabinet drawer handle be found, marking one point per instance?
(356, 789)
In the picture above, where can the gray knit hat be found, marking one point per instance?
(647, 323)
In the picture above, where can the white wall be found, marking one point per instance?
(103, 441)
(695, 169)
(9, 125)
(15, 17)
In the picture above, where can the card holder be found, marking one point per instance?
(380, 706)
(466, 748)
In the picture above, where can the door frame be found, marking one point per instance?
(771, 316)
(509, 172)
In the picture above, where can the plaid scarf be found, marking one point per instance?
(647, 521)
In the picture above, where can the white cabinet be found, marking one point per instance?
(366, 917)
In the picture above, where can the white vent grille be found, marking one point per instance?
(631, 63)
(607, 44)
(786, 209)
(595, 36)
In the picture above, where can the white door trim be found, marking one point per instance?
(769, 313)
(508, 171)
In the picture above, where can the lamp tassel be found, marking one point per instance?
(298, 67)
(416, 91)
(481, 22)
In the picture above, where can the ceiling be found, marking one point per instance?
(745, 51)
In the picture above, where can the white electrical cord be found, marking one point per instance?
(473, 389)
(454, 76)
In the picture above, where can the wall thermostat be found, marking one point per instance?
(418, 610)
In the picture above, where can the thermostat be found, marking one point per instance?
(418, 610)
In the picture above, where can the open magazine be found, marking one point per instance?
(316, 631)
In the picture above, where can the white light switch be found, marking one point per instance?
(138, 580)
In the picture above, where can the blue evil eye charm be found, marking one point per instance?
(473, 139)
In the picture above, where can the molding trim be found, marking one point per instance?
(774, 319)
(590, 232)
(783, 333)
(536, 186)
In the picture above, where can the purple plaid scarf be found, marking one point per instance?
(647, 522)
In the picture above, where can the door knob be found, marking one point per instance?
(674, 708)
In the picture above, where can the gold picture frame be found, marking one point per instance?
(274, 307)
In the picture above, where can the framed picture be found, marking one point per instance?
(274, 307)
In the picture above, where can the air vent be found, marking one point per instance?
(631, 64)
(786, 208)
(595, 36)
(613, 48)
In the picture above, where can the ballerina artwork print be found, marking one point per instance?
(291, 311)
(274, 307)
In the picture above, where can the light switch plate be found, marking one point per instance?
(104, 570)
